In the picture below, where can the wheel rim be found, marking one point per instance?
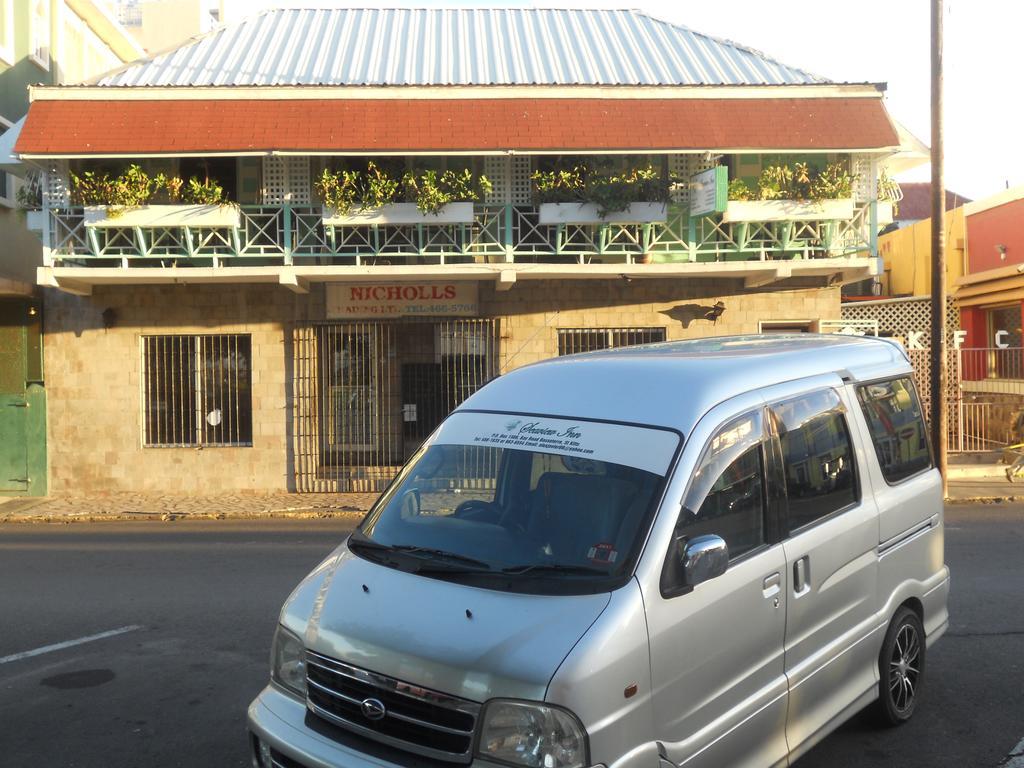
(905, 668)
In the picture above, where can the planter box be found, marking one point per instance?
(207, 216)
(788, 210)
(586, 213)
(35, 220)
(400, 213)
(885, 213)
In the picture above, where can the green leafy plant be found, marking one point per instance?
(134, 187)
(833, 183)
(30, 192)
(889, 191)
(203, 192)
(171, 185)
(740, 190)
(801, 182)
(610, 192)
(338, 190)
(432, 191)
(775, 183)
(378, 188)
(566, 185)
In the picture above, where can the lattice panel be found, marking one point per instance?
(865, 172)
(56, 189)
(682, 167)
(510, 179)
(285, 180)
(497, 169)
(299, 181)
(520, 187)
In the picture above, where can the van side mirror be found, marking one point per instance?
(704, 557)
(691, 561)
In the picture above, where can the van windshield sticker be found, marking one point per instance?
(640, 447)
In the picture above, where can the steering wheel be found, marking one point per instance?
(475, 507)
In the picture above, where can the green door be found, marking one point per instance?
(14, 410)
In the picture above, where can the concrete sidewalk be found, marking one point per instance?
(137, 506)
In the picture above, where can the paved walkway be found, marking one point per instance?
(138, 506)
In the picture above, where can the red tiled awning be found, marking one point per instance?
(181, 127)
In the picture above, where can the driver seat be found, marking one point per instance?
(572, 513)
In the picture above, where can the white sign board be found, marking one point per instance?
(641, 447)
(392, 300)
(708, 191)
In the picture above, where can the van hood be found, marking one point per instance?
(465, 641)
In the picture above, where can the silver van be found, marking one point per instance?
(704, 553)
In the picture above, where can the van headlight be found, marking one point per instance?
(288, 662)
(533, 735)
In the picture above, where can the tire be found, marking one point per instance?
(901, 668)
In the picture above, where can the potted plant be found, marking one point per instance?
(889, 196)
(359, 198)
(580, 196)
(125, 200)
(30, 200)
(799, 193)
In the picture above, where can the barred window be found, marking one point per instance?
(198, 390)
(573, 340)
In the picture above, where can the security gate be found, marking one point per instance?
(366, 394)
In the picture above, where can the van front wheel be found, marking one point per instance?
(901, 668)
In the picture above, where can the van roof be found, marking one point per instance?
(674, 383)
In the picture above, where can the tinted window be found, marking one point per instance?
(817, 457)
(893, 414)
(726, 497)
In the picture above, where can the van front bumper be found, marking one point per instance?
(279, 721)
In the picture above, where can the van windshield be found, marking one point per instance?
(522, 503)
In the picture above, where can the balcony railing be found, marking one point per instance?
(296, 235)
(982, 363)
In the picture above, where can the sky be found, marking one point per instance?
(886, 41)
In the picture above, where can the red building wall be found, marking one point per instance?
(1002, 225)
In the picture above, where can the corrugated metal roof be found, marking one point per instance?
(418, 46)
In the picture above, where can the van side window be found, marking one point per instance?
(726, 496)
(817, 456)
(894, 416)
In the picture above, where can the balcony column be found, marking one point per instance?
(56, 194)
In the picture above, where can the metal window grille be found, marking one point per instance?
(198, 390)
(366, 394)
(573, 340)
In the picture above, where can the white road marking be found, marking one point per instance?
(1016, 757)
(67, 644)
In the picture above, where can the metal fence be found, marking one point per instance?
(366, 394)
(979, 363)
(976, 432)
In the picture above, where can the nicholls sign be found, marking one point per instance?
(392, 300)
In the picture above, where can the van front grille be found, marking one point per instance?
(391, 711)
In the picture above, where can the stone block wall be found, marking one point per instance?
(94, 376)
(531, 312)
(94, 386)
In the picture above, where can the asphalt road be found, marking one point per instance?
(196, 605)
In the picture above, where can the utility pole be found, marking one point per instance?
(938, 339)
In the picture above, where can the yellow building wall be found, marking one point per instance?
(907, 256)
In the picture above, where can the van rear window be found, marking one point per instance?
(894, 416)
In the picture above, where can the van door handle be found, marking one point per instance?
(801, 575)
(771, 584)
